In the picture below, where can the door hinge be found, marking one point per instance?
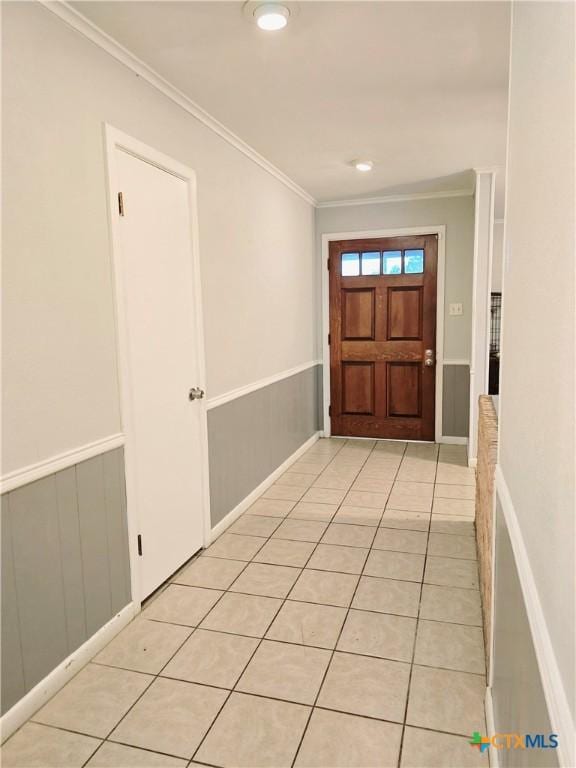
(120, 203)
(328, 265)
(329, 410)
(140, 545)
(328, 339)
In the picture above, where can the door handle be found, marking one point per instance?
(195, 393)
(429, 358)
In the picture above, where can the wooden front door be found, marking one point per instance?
(383, 337)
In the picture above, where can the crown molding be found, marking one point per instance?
(100, 38)
(396, 198)
(92, 32)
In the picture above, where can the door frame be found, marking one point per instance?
(437, 229)
(113, 140)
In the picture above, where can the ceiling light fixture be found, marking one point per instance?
(271, 16)
(363, 165)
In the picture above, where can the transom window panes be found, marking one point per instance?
(392, 262)
(350, 264)
(414, 261)
(371, 263)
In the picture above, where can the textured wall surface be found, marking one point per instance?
(65, 567)
(258, 266)
(538, 363)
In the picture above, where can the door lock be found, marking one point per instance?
(196, 393)
(429, 358)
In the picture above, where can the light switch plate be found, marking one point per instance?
(455, 309)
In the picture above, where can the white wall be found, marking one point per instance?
(457, 213)
(256, 240)
(497, 256)
(538, 364)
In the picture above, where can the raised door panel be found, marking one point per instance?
(404, 389)
(358, 388)
(358, 313)
(404, 313)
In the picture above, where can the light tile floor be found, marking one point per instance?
(336, 623)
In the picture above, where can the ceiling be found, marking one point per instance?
(420, 88)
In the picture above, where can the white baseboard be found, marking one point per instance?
(235, 513)
(65, 671)
(452, 440)
(490, 726)
(554, 691)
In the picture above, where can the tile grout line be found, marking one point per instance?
(157, 675)
(310, 602)
(333, 652)
(297, 645)
(193, 631)
(261, 639)
(286, 599)
(401, 746)
(259, 696)
(305, 729)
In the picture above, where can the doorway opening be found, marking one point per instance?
(161, 358)
(383, 345)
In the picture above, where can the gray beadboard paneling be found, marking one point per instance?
(456, 400)
(117, 529)
(38, 569)
(72, 572)
(517, 694)
(320, 396)
(13, 687)
(65, 567)
(94, 543)
(251, 436)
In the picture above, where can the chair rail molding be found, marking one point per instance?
(233, 394)
(32, 472)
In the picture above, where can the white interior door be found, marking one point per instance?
(165, 434)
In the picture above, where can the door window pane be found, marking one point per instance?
(414, 261)
(392, 261)
(371, 263)
(350, 264)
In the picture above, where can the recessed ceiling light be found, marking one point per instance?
(363, 165)
(271, 16)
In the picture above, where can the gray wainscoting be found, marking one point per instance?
(65, 567)
(251, 436)
(456, 401)
(517, 693)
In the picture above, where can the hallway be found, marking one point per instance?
(336, 623)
